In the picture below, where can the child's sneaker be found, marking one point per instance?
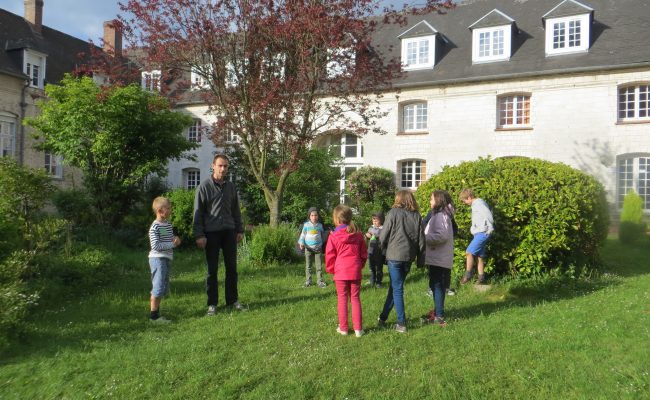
(482, 280)
(307, 284)
(212, 310)
(322, 285)
(340, 331)
(160, 321)
(466, 278)
(430, 293)
(381, 323)
(428, 317)
(358, 333)
(439, 321)
(451, 292)
(400, 328)
(378, 285)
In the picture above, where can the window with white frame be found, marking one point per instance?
(350, 148)
(232, 137)
(53, 165)
(151, 80)
(7, 135)
(567, 35)
(194, 131)
(339, 62)
(633, 173)
(418, 53)
(491, 44)
(412, 173)
(513, 111)
(34, 68)
(191, 178)
(634, 103)
(414, 117)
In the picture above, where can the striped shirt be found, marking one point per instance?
(161, 238)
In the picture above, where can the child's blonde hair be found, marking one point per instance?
(342, 214)
(466, 193)
(405, 199)
(160, 202)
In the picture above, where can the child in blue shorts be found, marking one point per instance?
(163, 241)
(482, 227)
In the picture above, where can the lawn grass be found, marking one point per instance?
(585, 338)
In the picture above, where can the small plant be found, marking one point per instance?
(632, 226)
(273, 244)
(370, 190)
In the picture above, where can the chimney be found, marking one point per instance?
(112, 38)
(34, 14)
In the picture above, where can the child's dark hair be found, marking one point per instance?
(441, 198)
(311, 210)
(342, 214)
(380, 216)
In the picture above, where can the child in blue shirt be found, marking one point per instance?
(311, 242)
(376, 257)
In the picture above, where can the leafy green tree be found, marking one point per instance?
(313, 184)
(371, 189)
(117, 136)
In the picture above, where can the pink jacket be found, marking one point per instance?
(345, 254)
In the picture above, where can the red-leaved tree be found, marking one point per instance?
(277, 73)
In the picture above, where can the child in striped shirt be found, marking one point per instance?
(163, 241)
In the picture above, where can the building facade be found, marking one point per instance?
(560, 80)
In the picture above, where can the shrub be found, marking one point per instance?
(548, 216)
(16, 295)
(632, 226)
(370, 189)
(76, 206)
(273, 244)
(182, 213)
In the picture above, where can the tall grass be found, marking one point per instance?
(546, 338)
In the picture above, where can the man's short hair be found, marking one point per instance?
(220, 155)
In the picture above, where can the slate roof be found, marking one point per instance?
(493, 18)
(620, 34)
(16, 34)
(568, 8)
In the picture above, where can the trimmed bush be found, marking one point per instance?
(76, 206)
(370, 190)
(270, 245)
(632, 227)
(549, 217)
(182, 213)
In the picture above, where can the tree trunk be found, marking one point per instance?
(274, 211)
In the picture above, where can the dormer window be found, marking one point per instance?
(151, 80)
(567, 28)
(419, 46)
(198, 77)
(492, 37)
(34, 68)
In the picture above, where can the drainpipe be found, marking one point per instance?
(23, 109)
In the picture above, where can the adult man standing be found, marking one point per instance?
(218, 226)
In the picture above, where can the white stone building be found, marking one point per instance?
(564, 81)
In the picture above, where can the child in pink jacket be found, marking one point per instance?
(345, 256)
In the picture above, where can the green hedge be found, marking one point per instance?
(182, 213)
(549, 217)
(632, 227)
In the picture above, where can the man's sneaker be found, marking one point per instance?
(160, 321)
(358, 333)
(237, 306)
(381, 323)
(340, 331)
(466, 278)
(400, 328)
(451, 292)
(212, 310)
(322, 285)
(439, 321)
